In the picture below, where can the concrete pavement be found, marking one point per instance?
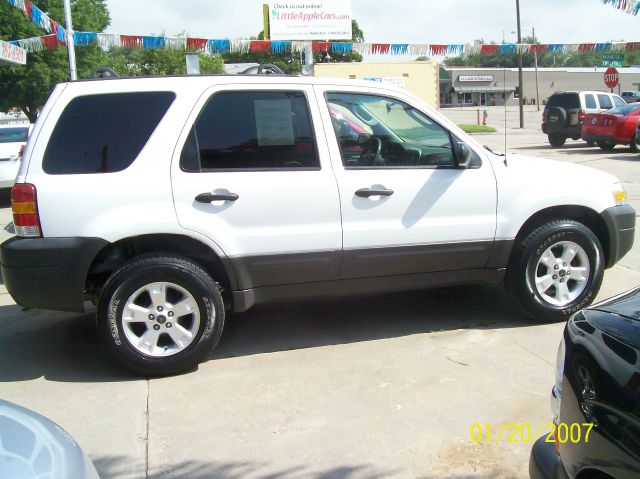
(361, 388)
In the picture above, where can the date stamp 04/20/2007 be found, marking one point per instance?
(513, 432)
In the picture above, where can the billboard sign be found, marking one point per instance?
(310, 20)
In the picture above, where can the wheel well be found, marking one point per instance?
(592, 474)
(582, 214)
(116, 254)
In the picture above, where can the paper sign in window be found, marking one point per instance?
(274, 122)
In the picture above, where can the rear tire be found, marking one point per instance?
(606, 145)
(556, 270)
(160, 315)
(556, 140)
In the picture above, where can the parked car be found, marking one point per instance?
(631, 96)
(13, 139)
(613, 127)
(565, 111)
(598, 388)
(32, 446)
(167, 201)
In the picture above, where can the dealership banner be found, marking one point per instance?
(12, 54)
(309, 20)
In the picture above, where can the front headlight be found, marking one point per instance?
(619, 194)
(556, 394)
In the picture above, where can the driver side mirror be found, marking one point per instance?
(462, 155)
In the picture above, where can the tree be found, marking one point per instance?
(27, 87)
(147, 62)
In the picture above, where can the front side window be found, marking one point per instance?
(605, 102)
(376, 131)
(618, 101)
(104, 133)
(252, 130)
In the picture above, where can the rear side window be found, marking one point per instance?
(252, 130)
(14, 135)
(590, 101)
(605, 102)
(103, 133)
(564, 100)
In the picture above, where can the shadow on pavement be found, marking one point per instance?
(65, 347)
(110, 466)
(116, 467)
(305, 325)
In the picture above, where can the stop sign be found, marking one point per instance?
(611, 77)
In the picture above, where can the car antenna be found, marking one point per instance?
(504, 95)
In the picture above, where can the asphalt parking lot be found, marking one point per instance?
(387, 386)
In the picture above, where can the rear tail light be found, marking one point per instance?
(24, 205)
(581, 115)
(21, 152)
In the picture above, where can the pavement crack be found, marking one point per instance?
(146, 439)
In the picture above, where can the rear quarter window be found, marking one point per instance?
(104, 133)
(564, 100)
(590, 101)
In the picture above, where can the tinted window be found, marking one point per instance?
(605, 102)
(14, 135)
(104, 133)
(564, 100)
(590, 101)
(625, 110)
(376, 131)
(252, 130)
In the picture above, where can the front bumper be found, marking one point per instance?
(621, 225)
(48, 273)
(544, 462)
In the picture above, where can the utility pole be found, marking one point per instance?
(70, 45)
(535, 62)
(520, 66)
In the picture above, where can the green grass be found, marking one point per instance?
(477, 128)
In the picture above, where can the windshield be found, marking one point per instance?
(624, 110)
(14, 135)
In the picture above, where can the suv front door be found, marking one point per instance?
(406, 208)
(249, 174)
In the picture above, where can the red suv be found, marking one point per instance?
(614, 127)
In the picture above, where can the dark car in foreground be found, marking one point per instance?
(596, 399)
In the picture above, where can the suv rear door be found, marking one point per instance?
(251, 172)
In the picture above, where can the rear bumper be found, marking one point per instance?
(544, 462)
(621, 225)
(48, 273)
(571, 131)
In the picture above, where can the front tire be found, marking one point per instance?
(160, 315)
(606, 145)
(556, 270)
(635, 144)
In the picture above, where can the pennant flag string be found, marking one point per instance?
(629, 6)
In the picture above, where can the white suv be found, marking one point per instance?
(167, 201)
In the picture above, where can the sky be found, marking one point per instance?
(397, 21)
